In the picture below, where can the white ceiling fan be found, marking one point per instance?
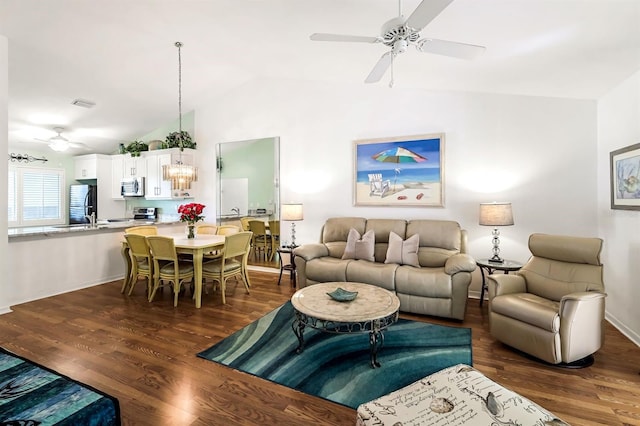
(398, 33)
(60, 143)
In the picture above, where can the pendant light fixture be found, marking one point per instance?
(181, 175)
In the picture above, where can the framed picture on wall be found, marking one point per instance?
(625, 178)
(399, 171)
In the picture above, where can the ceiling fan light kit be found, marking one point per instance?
(58, 143)
(398, 33)
(59, 146)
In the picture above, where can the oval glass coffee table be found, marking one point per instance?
(372, 311)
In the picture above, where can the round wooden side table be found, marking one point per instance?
(486, 265)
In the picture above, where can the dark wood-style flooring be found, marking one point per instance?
(145, 355)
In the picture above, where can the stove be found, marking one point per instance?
(145, 213)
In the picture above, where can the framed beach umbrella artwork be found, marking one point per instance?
(399, 171)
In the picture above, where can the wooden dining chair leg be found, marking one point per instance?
(134, 278)
(125, 283)
(126, 254)
(176, 293)
(246, 284)
(132, 285)
(156, 284)
(223, 289)
(245, 275)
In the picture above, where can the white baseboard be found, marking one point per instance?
(475, 294)
(263, 269)
(630, 334)
(5, 310)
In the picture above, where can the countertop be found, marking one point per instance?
(101, 226)
(237, 217)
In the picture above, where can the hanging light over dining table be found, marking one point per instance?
(181, 175)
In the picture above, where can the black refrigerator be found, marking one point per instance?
(83, 200)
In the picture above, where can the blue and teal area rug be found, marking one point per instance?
(31, 395)
(336, 366)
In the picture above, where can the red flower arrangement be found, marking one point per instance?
(191, 212)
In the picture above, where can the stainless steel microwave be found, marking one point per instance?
(132, 187)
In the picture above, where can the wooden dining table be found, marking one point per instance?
(195, 247)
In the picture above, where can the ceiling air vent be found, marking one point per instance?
(83, 103)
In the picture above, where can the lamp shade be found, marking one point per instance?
(496, 214)
(291, 212)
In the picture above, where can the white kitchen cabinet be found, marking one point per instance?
(125, 166)
(134, 166)
(156, 187)
(100, 168)
(86, 167)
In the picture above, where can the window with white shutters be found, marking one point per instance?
(36, 196)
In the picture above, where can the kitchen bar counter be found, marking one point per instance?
(63, 230)
(45, 261)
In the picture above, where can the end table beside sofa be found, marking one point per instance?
(490, 267)
(437, 285)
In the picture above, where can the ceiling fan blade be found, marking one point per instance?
(342, 37)
(79, 145)
(380, 68)
(426, 12)
(450, 48)
(62, 144)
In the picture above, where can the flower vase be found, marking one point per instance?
(191, 231)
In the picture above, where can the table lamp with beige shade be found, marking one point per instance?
(292, 212)
(496, 214)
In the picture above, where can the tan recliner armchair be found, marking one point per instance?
(552, 308)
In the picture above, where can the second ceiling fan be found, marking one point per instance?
(398, 33)
(60, 143)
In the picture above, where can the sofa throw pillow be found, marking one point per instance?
(360, 248)
(403, 252)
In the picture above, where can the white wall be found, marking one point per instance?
(618, 127)
(4, 132)
(538, 153)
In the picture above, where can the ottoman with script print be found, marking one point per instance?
(457, 395)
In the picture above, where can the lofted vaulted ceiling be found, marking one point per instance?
(121, 55)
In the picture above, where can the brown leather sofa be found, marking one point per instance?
(438, 287)
(552, 308)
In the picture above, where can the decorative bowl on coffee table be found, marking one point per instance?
(342, 295)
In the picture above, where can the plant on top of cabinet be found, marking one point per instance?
(180, 140)
(136, 147)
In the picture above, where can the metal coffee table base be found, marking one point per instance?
(375, 329)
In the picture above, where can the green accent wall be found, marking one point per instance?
(253, 160)
(161, 133)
